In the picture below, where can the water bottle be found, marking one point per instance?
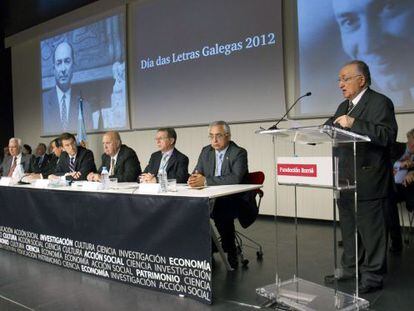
(162, 179)
(105, 178)
(18, 173)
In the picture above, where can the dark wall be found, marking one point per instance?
(16, 16)
(6, 103)
(23, 14)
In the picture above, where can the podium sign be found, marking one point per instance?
(306, 171)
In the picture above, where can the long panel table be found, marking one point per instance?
(158, 241)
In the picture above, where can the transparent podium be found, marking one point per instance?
(335, 172)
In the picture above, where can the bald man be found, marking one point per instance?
(61, 102)
(120, 160)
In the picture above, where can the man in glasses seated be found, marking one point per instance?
(223, 162)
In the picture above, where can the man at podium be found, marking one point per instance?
(369, 113)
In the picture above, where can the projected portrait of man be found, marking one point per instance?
(381, 33)
(61, 103)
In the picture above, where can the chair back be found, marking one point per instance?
(257, 178)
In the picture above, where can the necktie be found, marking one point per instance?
(40, 162)
(350, 107)
(219, 164)
(64, 113)
(12, 167)
(111, 170)
(72, 164)
(163, 163)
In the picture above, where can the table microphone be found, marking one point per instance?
(274, 127)
(21, 182)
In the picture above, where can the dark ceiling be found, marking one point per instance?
(18, 15)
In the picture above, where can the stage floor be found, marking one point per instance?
(27, 284)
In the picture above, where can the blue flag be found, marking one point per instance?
(81, 135)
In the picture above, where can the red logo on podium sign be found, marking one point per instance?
(301, 170)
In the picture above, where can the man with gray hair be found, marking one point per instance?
(40, 160)
(369, 113)
(16, 158)
(225, 163)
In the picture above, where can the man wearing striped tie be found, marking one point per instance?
(75, 162)
(15, 158)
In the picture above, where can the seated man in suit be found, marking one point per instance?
(40, 160)
(16, 158)
(225, 163)
(26, 149)
(75, 162)
(6, 152)
(53, 158)
(4, 155)
(120, 160)
(402, 156)
(56, 149)
(167, 158)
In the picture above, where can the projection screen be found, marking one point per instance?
(333, 32)
(194, 61)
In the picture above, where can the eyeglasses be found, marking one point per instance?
(216, 136)
(347, 79)
(161, 138)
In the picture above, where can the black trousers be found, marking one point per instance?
(372, 242)
(406, 194)
(392, 221)
(225, 210)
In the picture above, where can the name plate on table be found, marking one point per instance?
(149, 188)
(88, 185)
(305, 170)
(41, 183)
(6, 181)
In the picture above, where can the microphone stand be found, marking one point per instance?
(274, 127)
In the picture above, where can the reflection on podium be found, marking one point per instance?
(335, 172)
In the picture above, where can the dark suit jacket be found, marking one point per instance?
(84, 163)
(234, 170)
(52, 123)
(177, 167)
(397, 151)
(51, 166)
(34, 165)
(3, 162)
(374, 116)
(25, 161)
(127, 168)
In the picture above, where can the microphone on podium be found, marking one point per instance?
(274, 127)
